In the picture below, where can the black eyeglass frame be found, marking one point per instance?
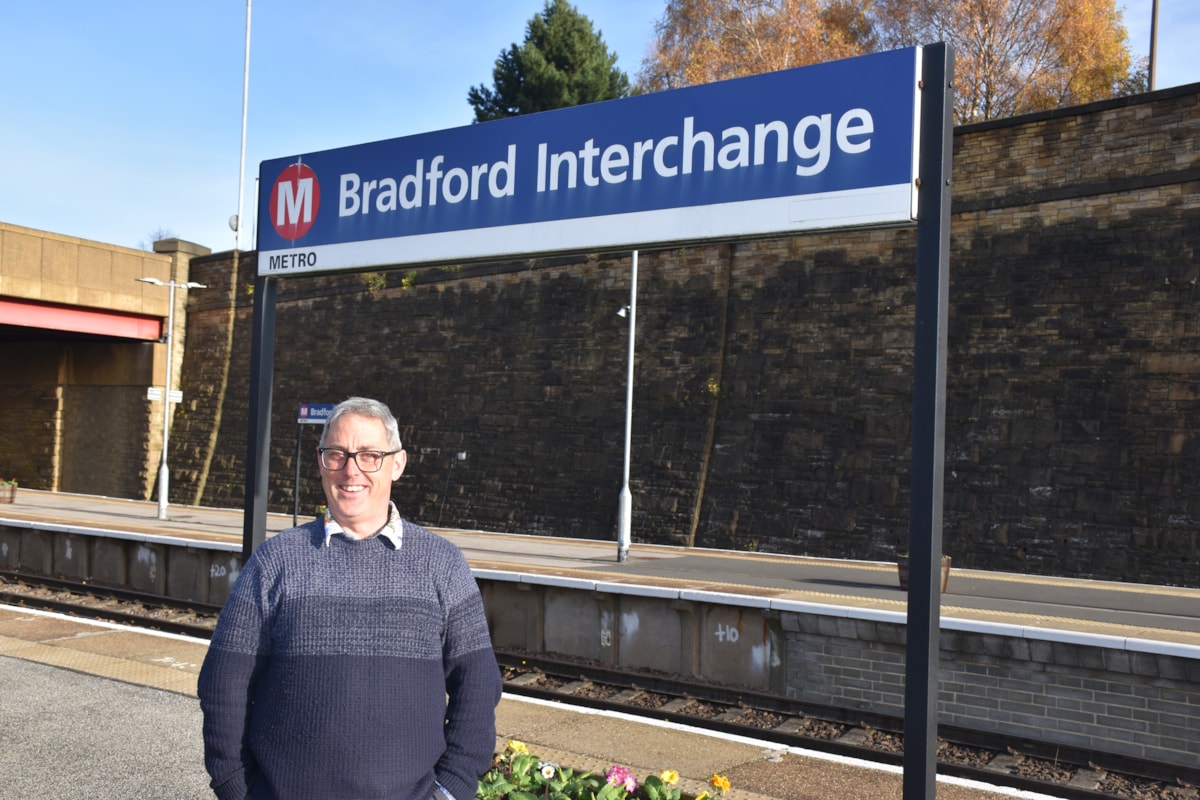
(352, 455)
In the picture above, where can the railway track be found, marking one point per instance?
(1029, 766)
(108, 604)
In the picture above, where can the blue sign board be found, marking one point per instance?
(831, 145)
(314, 413)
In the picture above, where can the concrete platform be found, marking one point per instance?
(1123, 610)
(104, 712)
(1092, 666)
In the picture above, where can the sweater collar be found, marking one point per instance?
(392, 531)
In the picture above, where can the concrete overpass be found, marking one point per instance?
(81, 342)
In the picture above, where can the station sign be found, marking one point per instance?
(314, 413)
(156, 393)
(826, 146)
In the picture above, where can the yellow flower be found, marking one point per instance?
(719, 782)
(517, 748)
(702, 796)
(669, 776)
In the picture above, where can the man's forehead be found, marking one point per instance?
(358, 424)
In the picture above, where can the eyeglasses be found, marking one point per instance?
(334, 458)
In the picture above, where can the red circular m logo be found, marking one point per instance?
(295, 200)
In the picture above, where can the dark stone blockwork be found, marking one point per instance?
(772, 391)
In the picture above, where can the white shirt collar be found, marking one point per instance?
(393, 529)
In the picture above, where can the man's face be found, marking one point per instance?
(359, 500)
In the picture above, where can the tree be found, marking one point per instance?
(1012, 56)
(563, 62)
(700, 41)
(157, 235)
(1017, 56)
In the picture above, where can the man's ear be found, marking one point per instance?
(398, 464)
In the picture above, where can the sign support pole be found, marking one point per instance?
(296, 485)
(258, 434)
(929, 423)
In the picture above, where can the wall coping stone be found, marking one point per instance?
(1052, 635)
(1082, 639)
(74, 530)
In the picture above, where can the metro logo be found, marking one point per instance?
(295, 200)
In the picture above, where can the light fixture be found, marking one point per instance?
(625, 506)
(163, 473)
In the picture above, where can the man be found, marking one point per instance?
(352, 659)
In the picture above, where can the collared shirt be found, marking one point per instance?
(393, 529)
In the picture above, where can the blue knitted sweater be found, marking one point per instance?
(330, 668)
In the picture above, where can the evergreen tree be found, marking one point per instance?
(563, 62)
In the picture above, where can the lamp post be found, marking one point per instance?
(162, 469)
(1153, 45)
(236, 222)
(625, 507)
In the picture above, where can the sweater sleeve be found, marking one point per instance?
(239, 648)
(473, 687)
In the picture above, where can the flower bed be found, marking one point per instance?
(517, 774)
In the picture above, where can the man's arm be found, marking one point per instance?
(235, 658)
(473, 686)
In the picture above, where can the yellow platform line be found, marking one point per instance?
(118, 669)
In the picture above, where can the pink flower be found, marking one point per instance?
(618, 776)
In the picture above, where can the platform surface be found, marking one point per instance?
(1124, 610)
(97, 711)
(75, 691)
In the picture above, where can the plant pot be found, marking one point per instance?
(8, 493)
(902, 570)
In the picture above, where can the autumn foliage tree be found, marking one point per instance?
(700, 41)
(1012, 56)
(1016, 56)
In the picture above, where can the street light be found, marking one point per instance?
(162, 469)
(625, 507)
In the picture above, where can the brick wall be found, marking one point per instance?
(29, 439)
(772, 389)
(1092, 697)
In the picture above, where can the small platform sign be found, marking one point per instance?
(156, 393)
(314, 413)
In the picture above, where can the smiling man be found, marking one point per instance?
(352, 659)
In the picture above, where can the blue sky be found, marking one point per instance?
(120, 119)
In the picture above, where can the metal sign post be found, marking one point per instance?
(258, 434)
(929, 424)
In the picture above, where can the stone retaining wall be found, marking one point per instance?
(772, 386)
